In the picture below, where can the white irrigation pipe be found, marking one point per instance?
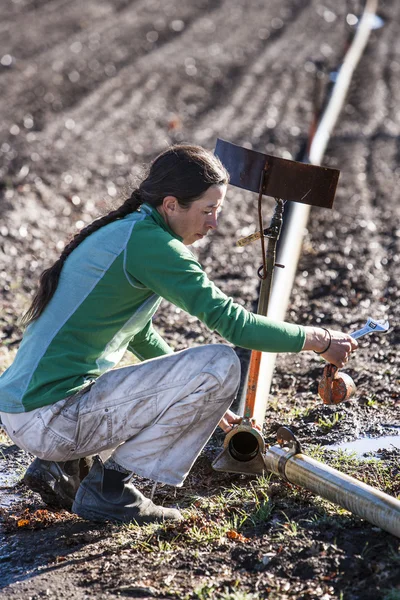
(292, 237)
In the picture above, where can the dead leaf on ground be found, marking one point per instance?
(38, 519)
(239, 537)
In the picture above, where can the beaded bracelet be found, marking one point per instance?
(329, 343)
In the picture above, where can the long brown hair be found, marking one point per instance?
(183, 171)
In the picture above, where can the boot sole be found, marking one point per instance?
(91, 515)
(48, 495)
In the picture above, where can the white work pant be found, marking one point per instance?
(154, 417)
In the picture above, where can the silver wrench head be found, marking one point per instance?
(371, 326)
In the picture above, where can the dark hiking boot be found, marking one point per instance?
(105, 495)
(56, 482)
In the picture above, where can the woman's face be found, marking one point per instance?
(193, 223)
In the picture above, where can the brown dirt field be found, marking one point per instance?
(90, 92)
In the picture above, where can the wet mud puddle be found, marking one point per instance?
(13, 463)
(8, 481)
(367, 446)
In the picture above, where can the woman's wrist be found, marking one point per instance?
(318, 339)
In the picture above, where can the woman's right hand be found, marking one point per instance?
(339, 348)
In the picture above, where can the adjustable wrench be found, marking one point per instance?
(371, 326)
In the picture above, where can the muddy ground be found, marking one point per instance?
(90, 92)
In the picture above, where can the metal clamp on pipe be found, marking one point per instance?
(243, 450)
(290, 445)
(278, 456)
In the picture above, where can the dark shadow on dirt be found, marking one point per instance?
(23, 555)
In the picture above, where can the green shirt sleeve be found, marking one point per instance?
(161, 263)
(148, 343)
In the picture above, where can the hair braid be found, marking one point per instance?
(49, 278)
(126, 208)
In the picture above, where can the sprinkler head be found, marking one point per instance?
(335, 387)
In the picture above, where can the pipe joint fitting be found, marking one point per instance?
(244, 442)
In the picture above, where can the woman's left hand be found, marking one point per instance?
(229, 420)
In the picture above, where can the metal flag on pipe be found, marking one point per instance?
(285, 179)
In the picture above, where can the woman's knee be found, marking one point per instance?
(233, 374)
(226, 366)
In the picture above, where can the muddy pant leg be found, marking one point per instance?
(190, 409)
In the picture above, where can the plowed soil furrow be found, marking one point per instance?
(93, 99)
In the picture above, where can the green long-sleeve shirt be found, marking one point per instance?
(109, 289)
